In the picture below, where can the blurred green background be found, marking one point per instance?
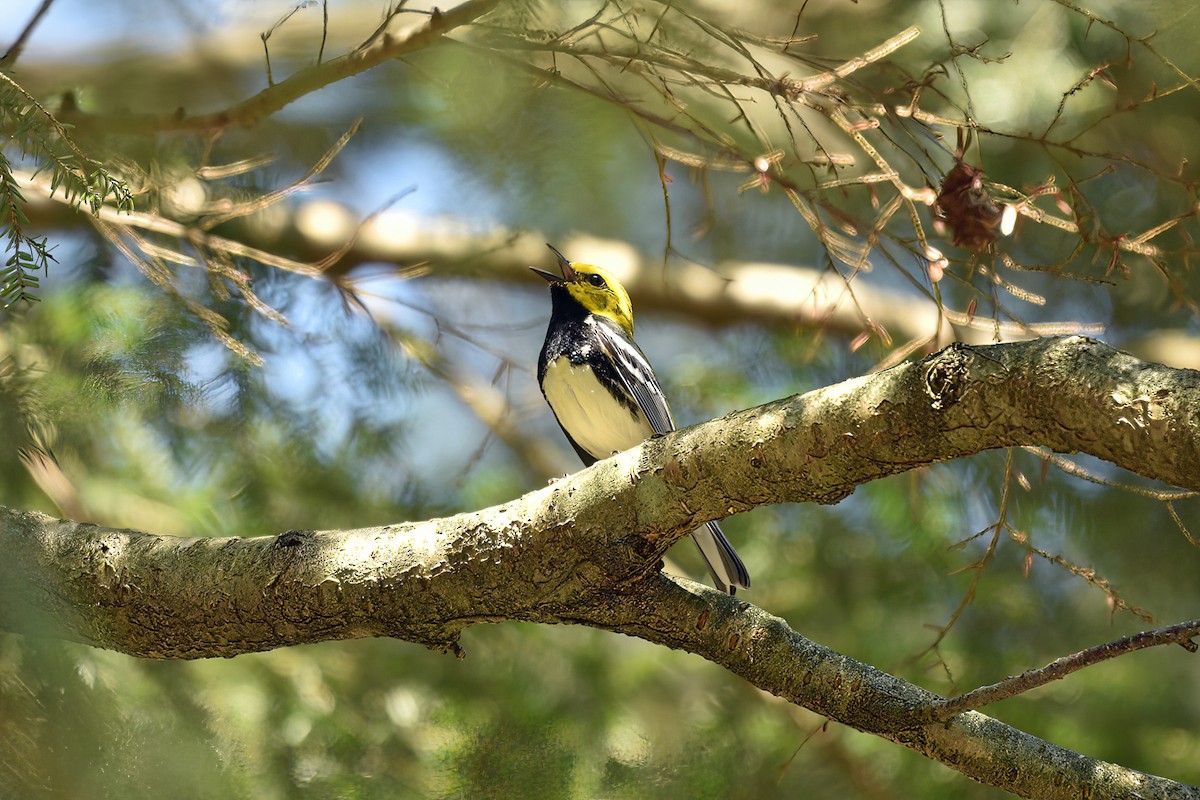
(157, 425)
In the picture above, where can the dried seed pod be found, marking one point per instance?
(966, 207)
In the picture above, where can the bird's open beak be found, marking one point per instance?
(568, 274)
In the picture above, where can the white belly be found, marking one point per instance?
(597, 422)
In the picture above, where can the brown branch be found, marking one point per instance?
(1180, 634)
(734, 292)
(636, 54)
(585, 550)
(1144, 41)
(18, 46)
(769, 654)
(486, 402)
(1071, 394)
(194, 235)
(262, 105)
(1071, 468)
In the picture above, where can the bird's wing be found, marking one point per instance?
(637, 375)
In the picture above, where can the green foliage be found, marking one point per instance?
(26, 125)
(27, 255)
(534, 711)
(129, 395)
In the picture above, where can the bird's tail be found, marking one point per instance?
(728, 571)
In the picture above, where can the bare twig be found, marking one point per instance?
(265, 35)
(304, 82)
(981, 563)
(790, 88)
(1071, 468)
(484, 400)
(324, 29)
(270, 198)
(1115, 601)
(18, 46)
(1187, 534)
(1181, 634)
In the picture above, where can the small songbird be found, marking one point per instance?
(603, 391)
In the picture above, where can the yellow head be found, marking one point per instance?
(594, 288)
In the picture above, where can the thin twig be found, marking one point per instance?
(268, 34)
(324, 29)
(1071, 468)
(270, 198)
(14, 52)
(304, 82)
(1180, 634)
(978, 566)
(193, 235)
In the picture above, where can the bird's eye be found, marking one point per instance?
(595, 280)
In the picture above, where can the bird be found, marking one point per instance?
(603, 391)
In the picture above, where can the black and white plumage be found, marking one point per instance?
(603, 391)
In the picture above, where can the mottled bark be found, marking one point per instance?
(585, 550)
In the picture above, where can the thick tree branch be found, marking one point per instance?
(585, 550)
(304, 239)
(769, 654)
(608, 525)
